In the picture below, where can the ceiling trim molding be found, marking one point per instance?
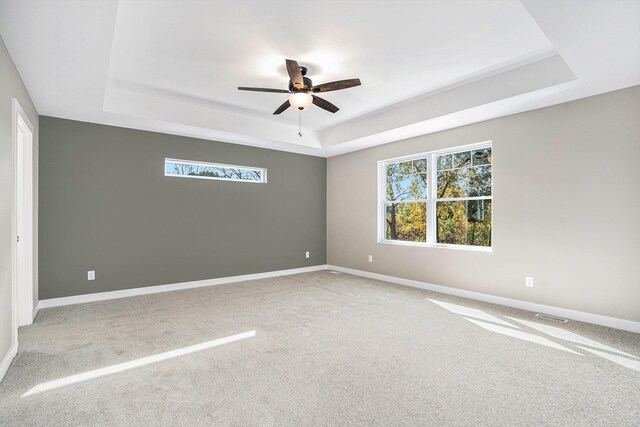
(415, 117)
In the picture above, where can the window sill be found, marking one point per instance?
(439, 246)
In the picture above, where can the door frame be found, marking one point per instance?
(22, 296)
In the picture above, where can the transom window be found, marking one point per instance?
(441, 198)
(193, 169)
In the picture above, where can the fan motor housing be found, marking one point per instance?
(308, 84)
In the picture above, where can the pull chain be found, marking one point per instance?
(300, 123)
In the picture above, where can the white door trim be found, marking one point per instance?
(22, 296)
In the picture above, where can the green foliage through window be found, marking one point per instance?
(465, 222)
(460, 202)
(407, 221)
(406, 188)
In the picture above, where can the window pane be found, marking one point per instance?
(482, 157)
(462, 159)
(407, 180)
(445, 162)
(479, 181)
(465, 222)
(406, 222)
(471, 181)
(400, 168)
(420, 165)
(251, 175)
(183, 168)
(407, 167)
(407, 187)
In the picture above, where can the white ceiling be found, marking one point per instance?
(174, 66)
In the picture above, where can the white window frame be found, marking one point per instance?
(262, 171)
(432, 175)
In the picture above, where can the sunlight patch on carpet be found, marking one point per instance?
(137, 363)
(471, 312)
(522, 336)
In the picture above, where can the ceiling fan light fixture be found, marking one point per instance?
(300, 100)
(302, 90)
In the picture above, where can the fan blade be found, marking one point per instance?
(324, 104)
(294, 73)
(282, 107)
(337, 85)
(262, 89)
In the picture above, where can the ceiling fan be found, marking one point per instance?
(302, 90)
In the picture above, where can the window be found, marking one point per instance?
(440, 198)
(406, 200)
(193, 169)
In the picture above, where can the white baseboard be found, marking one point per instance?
(596, 319)
(101, 296)
(6, 360)
(35, 310)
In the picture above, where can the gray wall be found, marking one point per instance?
(566, 206)
(105, 205)
(11, 86)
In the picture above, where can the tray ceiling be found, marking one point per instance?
(174, 66)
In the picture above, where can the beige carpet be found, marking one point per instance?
(316, 349)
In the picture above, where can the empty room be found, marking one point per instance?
(319, 213)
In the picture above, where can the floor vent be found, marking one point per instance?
(335, 272)
(552, 318)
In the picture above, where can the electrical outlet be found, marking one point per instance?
(91, 275)
(370, 258)
(307, 254)
(528, 281)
